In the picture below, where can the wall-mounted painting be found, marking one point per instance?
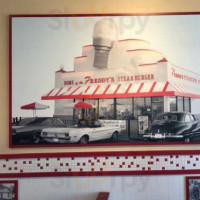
(8, 190)
(192, 188)
(80, 80)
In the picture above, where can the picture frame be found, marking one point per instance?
(9, 189)
(119, 95)
(192, 187)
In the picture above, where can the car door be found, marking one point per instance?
(98, 132)
(194, 123)
(189, 122)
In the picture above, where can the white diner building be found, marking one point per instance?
(124, 79)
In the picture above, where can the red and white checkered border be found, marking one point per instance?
(100, 163)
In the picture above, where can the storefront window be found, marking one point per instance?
(157, 106)
(78, 113)
(180, 104)
(106, 108)
(142, 106)
(124, 108)
(92, 112)
(187, 104)
(173, 104)
(157, 99)
(147, 111)
(139, 107)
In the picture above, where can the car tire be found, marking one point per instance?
(84, 140)
(36, 138)
(114, 137)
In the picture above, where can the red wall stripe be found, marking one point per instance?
(152, 87)
(50, 92)
(139, 89)
(96, 89)
(87, 89)
(127, 90)
(99, 96)
(75, 90)
(62, 94)
(166, 86)
(106, 89)
(58, 92)
(117, 88)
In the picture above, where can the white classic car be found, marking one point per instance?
(82, 133)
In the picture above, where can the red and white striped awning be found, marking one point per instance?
(144, 89)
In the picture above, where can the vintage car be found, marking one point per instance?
(83, 132)
(174, 126)
(30, 128)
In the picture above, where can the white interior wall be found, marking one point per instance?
(171, 187)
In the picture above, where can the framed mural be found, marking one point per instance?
(192, 187)
(8, 189)
(85, 80)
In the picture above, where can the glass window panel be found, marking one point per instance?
(124, 108)
(157, 99)
(192, 118)
(45, 123)
(78, 113)
(187, 118)
(55, 122)
(173, 104)
(139, 107)
(94, 102)
(180, 104)
(92, 112)
(106, 108)
(186, 104)
(157, 108)
(147, 110)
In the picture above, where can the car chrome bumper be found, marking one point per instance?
(162, 136)
(57, 140)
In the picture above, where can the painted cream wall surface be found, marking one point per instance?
(10, 7)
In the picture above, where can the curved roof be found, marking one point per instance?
(130, 40)
(80, 57)
(151, 50)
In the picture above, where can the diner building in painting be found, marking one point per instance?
(124, 79)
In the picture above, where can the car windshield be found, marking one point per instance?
(26, 121)
(169, 117)
(91, 124)
(37, 121)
